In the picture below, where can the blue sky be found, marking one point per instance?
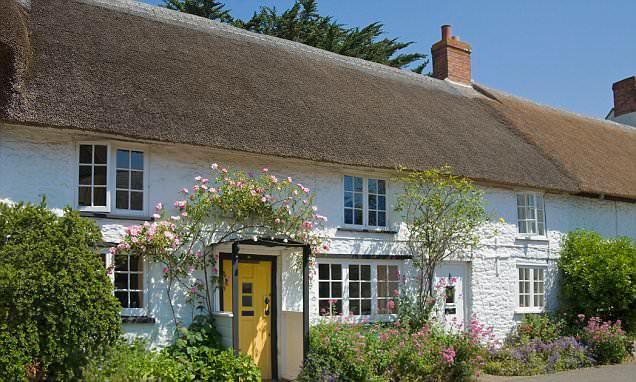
(564, 53)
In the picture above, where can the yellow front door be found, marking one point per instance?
(255, 310)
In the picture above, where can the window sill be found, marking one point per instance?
(137, 320)
(524, 237)
(367, 230)
(533, 310)
(109, 215)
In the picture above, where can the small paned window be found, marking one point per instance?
(531, 287)
(129, 280)
(93, 170)
(129, 191)
(530, 213)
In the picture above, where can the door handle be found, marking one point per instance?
(267, 306)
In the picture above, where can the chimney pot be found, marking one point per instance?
(446, 32)
(451, 58)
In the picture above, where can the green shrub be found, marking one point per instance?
(195, 356)
(598, 277)
(376, 352)
(538, 326)
(56, 303)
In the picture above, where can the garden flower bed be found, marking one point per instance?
(543, 345)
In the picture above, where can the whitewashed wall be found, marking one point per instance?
(38, 162)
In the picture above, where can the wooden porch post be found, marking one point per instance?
(306, 255)
(235, 300)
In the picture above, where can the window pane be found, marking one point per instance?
(323, 307)
(366, 307)
(121, 200)
(137, 160)
(357, 202)
(394, 274)
(394, 289)
(137, 180)
(123, 159)
(99, 196)
(523, 227)
(381, 187)
(348, 215)
(372, 218)
(348, 183)
(121, 280)
(323, 290)
(358, 217)
(381, 219)
(357, 184)
(246, 301)
(521, 211)
(123, 298)
(136, 264)
(336, 289)
(136, 281)
(338, 307)
(100, 175)
(122, 179)
(365, 290)
(373, 202)
(100, 154)
(354, 307)
(354, 289)
(382, 203)
(336, 272)
(136, 299)
(85, 173)
(373, 186)
(383, 290)
(348, 199)
(354, 272)
(121, 263)
(382, 272)
(323, 271)
(86, 154)
(136, 201)
(382, 309)
(84, 196)
(366, 272)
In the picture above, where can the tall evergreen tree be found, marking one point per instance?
(302, 23)
(210, 9)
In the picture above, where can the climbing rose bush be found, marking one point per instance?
(226, 205)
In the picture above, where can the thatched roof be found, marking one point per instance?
(130, 69)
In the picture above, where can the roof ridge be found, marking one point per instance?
(161, 14)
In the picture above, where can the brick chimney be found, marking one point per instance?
(451, 58)
(624, 96)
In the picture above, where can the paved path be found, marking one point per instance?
(615, 373)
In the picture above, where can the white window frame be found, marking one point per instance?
(365, 203)
(133, 312)
(129, 212)
(111, 178)
(108, 176)
(345, 263)
(538, 208)
(533, 270)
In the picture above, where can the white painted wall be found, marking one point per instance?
(625, 119)
(37, 162)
